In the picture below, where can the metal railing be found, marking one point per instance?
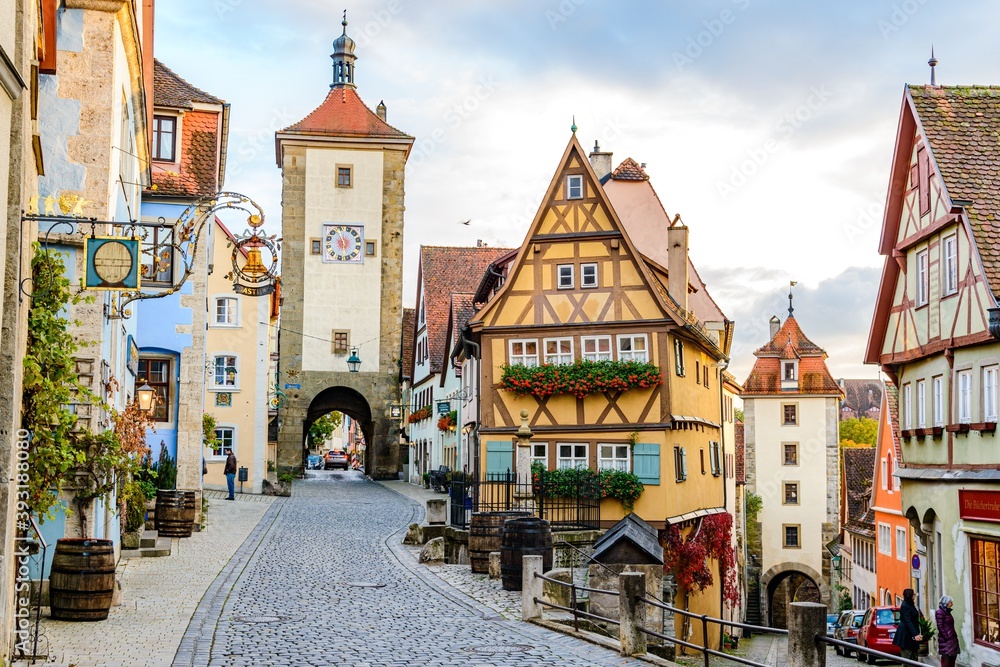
(881, 655)
(577, 613)
(580, 508)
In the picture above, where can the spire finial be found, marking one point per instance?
(344, 22)
(573, 126)
(933, 63)
(791, 284)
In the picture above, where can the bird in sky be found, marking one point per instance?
(465, 222)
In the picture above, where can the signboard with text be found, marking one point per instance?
(979, 505)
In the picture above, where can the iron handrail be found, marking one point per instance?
(712, 619)
(734, 658)
(870, 651)
(572, 585)
(576, 611)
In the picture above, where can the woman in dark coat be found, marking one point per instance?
(947, 639)
(908, 635)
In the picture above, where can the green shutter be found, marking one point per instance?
(646, 462)
(499, 456)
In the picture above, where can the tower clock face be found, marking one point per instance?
(343, 243)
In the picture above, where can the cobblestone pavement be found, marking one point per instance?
(768, 650)
(160, 594)
(325, 581)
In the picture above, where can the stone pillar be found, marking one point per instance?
(531, 588)
(437, 514)
(631, 587)
(523, 495)
(806, 621)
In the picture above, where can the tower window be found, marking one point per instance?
(574, 187)
(369, 248)
(315, 246)
(344, 176)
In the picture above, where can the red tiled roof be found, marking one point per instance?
(740, 454)
(170, 90)
(343, 114)
(859, 473)
(198, 170)
(445, 270)
(962, 124)
(406, 353)
(629, 170)
(814, 376)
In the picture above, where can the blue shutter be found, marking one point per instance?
(646, 462)
(499, 456)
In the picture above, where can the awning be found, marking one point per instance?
(696, 514)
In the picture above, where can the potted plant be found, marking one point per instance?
(927, 632)
(426, 477)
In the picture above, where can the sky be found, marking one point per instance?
(768, 126)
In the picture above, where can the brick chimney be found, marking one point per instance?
(601, 162)
(775, 325)
(380, 110)
(677, 264)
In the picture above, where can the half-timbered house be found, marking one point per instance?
(934, 334)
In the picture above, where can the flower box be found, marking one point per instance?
(580, 378)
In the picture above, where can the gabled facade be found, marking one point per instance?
(453, 386)
(892, 561)
(933, 333)
(791, 407)
(858, 548)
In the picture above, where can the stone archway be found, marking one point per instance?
(786, 583)
(340, 399)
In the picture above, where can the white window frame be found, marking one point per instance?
(923, 278)
(215, 323)
(885, 539)
(950, 264)
(596, 354)
(964, 396)
(574, 186)
(631, 354)
(564, 276)
(544, 457)
(907, 406)
(525, 359)
(214, 385)
(575, 460)
(785, 366)
(584, 282)
(901, 544)
(221, 456)
(990, 394)
(680, 463)
(560, 356)
(715, 458)
(937, 389)
(615, 461)
(921, 404)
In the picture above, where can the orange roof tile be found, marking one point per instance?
(629, 170)
(343, 114)
(813, 378)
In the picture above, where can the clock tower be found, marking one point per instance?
(342, 263)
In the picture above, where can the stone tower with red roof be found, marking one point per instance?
(790, 408)
(342, 172)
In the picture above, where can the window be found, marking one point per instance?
(540, 453)
(565, 276)
(341, 342)
(588, 275)
(951, 264)
(225, 437)
(921, 404)
(791, 536)
(680, 464)
(156, 373)
(344, 176)
(524, 352)
(596, 348)
(791, 493)
(704, 370)
(885, 539)
(791, 453)
(572, 455)
(907, 407)
(788, 371)
(632, 348)
(225, 372)
(315, 247)
(923, 284)
(937, 388)
(369, 248)
(574, 187)
(679, 357)
(964, 397)
(558, 350)
(227, 311)
(985, 560)
(990, 394)
(158, 254)
(697, 371)
(613, 457)
(789, 414)
(901, 550)
(715, 458)
(164, 138)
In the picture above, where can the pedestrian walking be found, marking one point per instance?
(908, 635)
(231, 475)
(947, 639)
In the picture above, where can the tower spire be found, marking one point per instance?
(933, 63)
(791, 284)
(343, 59)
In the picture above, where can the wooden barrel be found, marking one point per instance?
(484, 537)
(174, 513)
(82, 579)
(527, 536)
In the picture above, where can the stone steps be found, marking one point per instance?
(150, 546)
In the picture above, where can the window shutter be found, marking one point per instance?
(499, 457)
(646, 462)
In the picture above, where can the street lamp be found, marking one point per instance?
(146, 395)
(354, 361)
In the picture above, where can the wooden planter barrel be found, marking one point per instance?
(528, 536)
(484, 537)
(174, 513)
(82, 579)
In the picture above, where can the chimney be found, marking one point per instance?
(677, 264)
(775, 325)
(380, 110)
(601, 162)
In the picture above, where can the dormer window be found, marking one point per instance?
(789, 375)
(788, 372)
(574, 187)
(164, 138)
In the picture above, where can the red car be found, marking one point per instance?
(876, 632)
(335, 459)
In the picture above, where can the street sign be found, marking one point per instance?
(293, 386)
(915, 562)
(915, 574)
(444, 407)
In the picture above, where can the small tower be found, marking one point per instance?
(933, 63)
(343, 59)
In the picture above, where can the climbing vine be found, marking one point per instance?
(687, 556)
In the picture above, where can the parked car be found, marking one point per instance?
(878, 627)
(336, 459)
(831, 623)
(846, 629)
(314, 462)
